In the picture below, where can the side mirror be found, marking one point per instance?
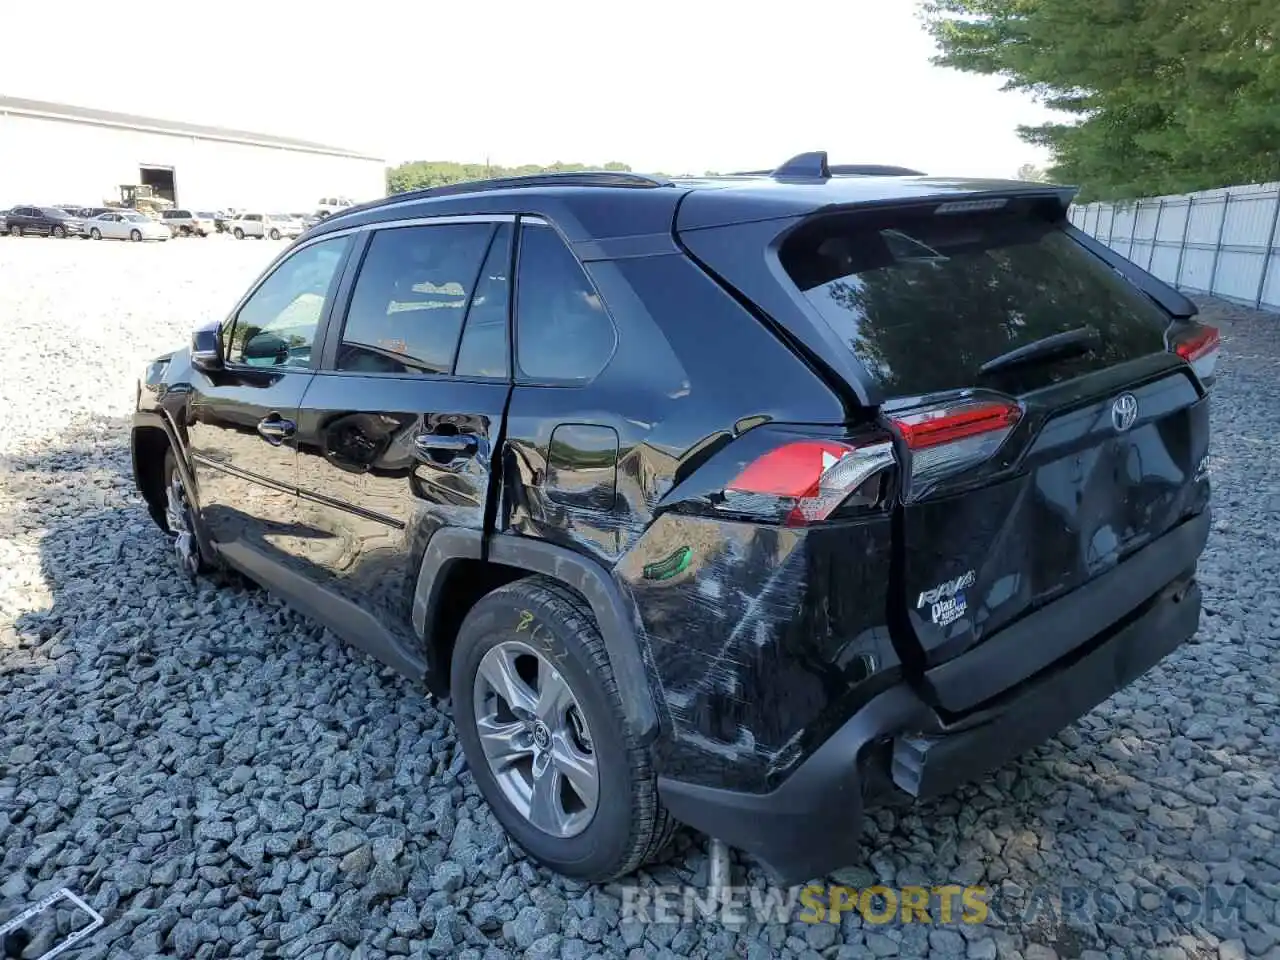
(206, 348)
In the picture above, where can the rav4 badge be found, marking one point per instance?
(946, 601)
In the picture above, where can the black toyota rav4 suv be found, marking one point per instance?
(734, 501)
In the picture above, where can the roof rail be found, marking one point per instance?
(814, 166)
(567, 178)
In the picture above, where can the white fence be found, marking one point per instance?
(1221, 242)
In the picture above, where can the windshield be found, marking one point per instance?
(924, 301)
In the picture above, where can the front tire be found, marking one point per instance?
(95, 234)
(239, 234)
(59, 232)
(16, 231)
(541, 723)
(180, 519)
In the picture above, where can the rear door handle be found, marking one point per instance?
(275, 430)
(457, 444)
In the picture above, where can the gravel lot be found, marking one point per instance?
(221, 778)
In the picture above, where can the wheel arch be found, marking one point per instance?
(150, 436)
(459, 567)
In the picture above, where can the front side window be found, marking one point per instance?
(563, 333)
(277, 324)
(410, 298)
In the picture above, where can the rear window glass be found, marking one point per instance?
(924, 301)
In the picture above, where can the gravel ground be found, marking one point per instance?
(221, 778)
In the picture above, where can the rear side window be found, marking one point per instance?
(563, 334)
(410, 298)
(924, 300)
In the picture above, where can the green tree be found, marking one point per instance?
(1165, 96)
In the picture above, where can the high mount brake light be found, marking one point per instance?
(949, 437)
(806, 481)
(1199, 347)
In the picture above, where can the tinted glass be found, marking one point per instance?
(562, 330)
(410, 297)
(483, 352)
(277, 325)
(925, 301)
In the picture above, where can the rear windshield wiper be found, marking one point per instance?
(1070, 343)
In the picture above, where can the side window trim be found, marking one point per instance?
(518, 377)
(471, 302)
(336, 313)
(229, 325)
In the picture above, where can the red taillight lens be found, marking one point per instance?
(1199, 347)
(949, 437)
(806, 481)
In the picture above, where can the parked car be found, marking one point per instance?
(328, 206)
(126, 225)
(272, 225)
(25, 221)
(768, 493)
(186, 223)
(4, 223)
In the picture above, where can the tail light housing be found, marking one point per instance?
(1197, 343)
(807, 481)
(948, 437)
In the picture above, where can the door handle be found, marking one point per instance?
(457, 444)
(276, 430)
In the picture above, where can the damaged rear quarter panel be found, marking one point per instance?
(764, 639)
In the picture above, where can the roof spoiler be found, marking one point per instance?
(1169, 298)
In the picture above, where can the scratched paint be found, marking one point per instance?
(763, 643)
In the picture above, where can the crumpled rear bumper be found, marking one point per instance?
(810, 824)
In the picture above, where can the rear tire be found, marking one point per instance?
(543, 630)
(95, 234)
(16, 231)
(135, 236)
(58, 232)
(275, 234)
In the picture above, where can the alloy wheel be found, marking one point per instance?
(535, 739)
(178, 515)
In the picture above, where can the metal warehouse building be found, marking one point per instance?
(52, 153)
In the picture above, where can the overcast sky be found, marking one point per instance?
(659, 85)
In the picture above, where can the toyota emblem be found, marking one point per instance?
(1124, 411)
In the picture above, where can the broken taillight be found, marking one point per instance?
(1198, 344)
(948, 437)
(806, 481)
